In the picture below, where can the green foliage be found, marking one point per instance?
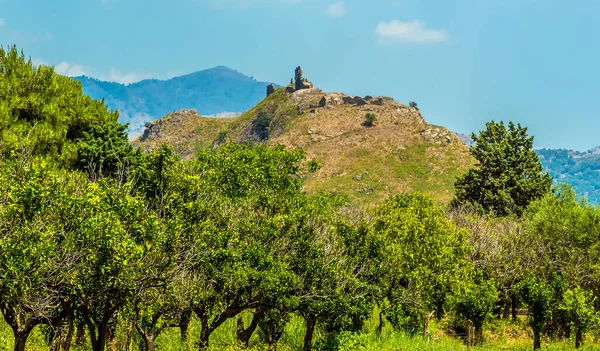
(129, 245)
(34, 222)
(262, 126)
(413, 105)
(476, 303)
(47, 115)
(370, 118)
(425, 254)
(538, 295)
(563, 229)
(405, 317)
(508, 175)
(579, 306)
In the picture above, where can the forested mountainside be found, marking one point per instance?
(579, 169)
(212, 91)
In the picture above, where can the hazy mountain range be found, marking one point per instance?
(218, 91)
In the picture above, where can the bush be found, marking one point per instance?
(262, 126)
(413, 105)
(370, 118)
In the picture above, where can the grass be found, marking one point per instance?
(499, 335)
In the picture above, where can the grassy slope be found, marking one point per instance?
(365, 163)
(187, 135)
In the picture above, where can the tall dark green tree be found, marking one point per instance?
(46, 115)
(508, 174)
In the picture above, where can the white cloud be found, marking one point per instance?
(74, 70)
(336, 10)
(70, 69)
(125, 78)
(413, 31)
(2, 22)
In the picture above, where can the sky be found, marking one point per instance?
(535, 62)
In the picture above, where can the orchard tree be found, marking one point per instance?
(35, 211)
(425, 255)
(238, 206)
(337, 265)
(538, 295)
(579, 306)
(508, 174)
(563, 233)
(501, 251)
(113, 235)
(476, 303)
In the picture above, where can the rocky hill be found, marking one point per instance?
(210, 92)
(400, 152)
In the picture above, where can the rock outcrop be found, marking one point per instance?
(301, 82)
(436, 135)
(270, 89)
(154, 129)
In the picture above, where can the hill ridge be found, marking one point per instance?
(401, 152)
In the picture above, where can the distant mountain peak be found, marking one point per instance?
(210, 92)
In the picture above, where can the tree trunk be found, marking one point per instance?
(21, 338)
(469, 334)
(184, 324)
(244, 334)
(217, 321)
(514, 304)
(380, 326)
(204, 332)
(100, 340)
(478, 333)
(536, 340)
(80, 334)
(99, 332)
(311, 321)
(426, 326)
(66, 342)
(275, 327)
(149, 341)
(578, 338)
(506, 311)
(439, 312)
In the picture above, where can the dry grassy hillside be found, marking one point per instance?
(184, 130)
(399, 153)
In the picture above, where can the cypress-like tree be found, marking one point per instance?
(508, 174)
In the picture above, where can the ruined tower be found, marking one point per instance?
(300, 81)
(270, 89)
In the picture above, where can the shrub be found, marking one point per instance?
(261, 126)
(370, 118)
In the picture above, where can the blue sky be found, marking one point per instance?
(465, 62)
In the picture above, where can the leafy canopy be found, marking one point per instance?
(44, 114)
(508, 175)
